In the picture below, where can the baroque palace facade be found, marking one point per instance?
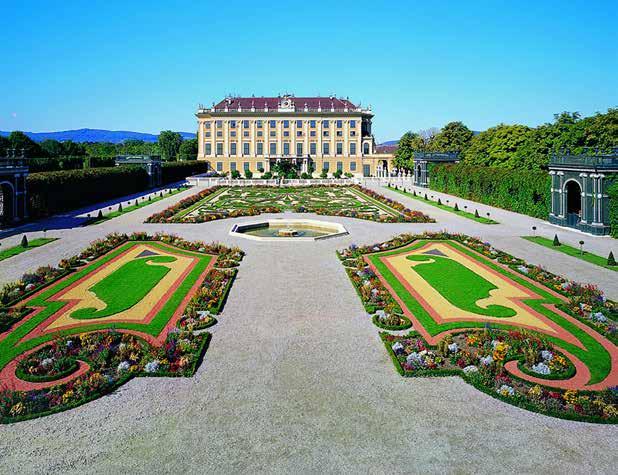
(314, 133)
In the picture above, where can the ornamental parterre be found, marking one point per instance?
(129, 305)
(514, 331)
(351, 201)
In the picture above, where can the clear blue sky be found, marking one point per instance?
(144, 66)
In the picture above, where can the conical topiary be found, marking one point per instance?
(413, 192)
(100, 215)
(120, 208)
(610, 259)
(456, 208)
(161, 193)
(556, 240)
(476, 213)
(439, 201)
(24, 241)
(425, 196)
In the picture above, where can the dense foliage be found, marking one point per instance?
(526, 192)
(176, 171)
(612, 191)
(52, 192)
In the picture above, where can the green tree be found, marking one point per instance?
(496, 146)
(188, 149)
(454, 137)
(404, 155)
(169, 143)
(5, 144)
(72, 149)
(21, 141)
(52, 148)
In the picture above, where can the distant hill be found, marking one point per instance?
(390, 142)
(96, 135)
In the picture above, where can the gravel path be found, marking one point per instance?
(296, 380)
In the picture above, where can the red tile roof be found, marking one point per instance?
(273, 102)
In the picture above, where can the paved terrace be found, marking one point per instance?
(296, 379)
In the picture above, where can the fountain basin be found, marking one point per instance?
(288, 230)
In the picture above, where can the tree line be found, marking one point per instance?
(514, 146)
(170, 146)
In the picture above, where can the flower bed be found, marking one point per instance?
(523, 367)
(384, 209)
(114, 358)
(479, 358)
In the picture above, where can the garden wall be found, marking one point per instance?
(522, 191)
(612, 192)
(52, 192)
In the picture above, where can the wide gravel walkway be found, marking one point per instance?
(296, 380)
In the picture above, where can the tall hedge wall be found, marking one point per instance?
(176, 171)
(52, 192)
(612, 191)
(522, 191)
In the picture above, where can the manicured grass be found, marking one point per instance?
(463, 287)
(13, 251)
(12, 345)
(450, 209)
(126, 287)
(128, 209)
(593, 354)
(571, 251)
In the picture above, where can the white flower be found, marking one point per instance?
(486, 360)
(541, 368)
(152, 366)
(598, 317)
(506, 390)
(470, 369)
(522, 269)
(124, 366)
(494, 343)
(47, 362)
(376, 248)
(414, 359)
(397, 347)
(547, 355)
(453, 348)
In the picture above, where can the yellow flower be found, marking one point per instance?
(500, 351)
(66, 397)
(610, 411)
(17, 409)
(535, 392)
(570, 396)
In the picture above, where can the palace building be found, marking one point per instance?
(314, 133)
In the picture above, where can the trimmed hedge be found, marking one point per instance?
(521, 191)
(52, 164)
(176, 171)
(52, 192)
(612, 192)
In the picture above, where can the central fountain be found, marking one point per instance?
(288, 229)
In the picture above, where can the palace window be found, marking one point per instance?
(219, 133)
(232, 124)
(339, 148)
(273, 133)
(245, 133)
(299, 123)
(286, 124)
(286, 133)
(352, 124)
(366, 148)
(273, 148)
(325, 148)
(286, 148)
(233, 148)
(325, 124)
(245, 124)
(340, 166)
(312, 124)
(245, 148)
(353, 133)
(219, 148)
(233, 133)
(299, 133)
(219, 124)
(312, 133)
(339, 133)
(339, 124)
(273, 124)
(246, 166)
(352, 166)
(207, 125)
(260, 166)
(312, 148)
(233, 166)
(326, 166)
(259, 148)
(260, 133)
(353, 148)
(219, 166)
(258, 123)
(207, 134)
(299, 149)
(208, 150)
(325, 133)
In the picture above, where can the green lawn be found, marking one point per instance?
(450, 209)
(13, 251)
(16, 342)
(128, 209)
(125, 287)
(571, 251)
(593, 355)
(463, 287)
